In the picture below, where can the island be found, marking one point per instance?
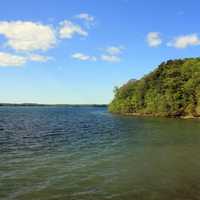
(171, 90)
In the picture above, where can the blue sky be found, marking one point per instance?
(76, 51)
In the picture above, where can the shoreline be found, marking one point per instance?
(157, 115)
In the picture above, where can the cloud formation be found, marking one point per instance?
(12, 60)
(154, 39)
(28, 39)
(27, 36)
(112, 54)
(185, 41)
(7, 59)
(83, 57)
(85, 16)
(114, 50)
(38, 58)
(69, 29)
(110, 58)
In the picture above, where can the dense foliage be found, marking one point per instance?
(173, 89)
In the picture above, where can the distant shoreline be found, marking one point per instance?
(49, 105)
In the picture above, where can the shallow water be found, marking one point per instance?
(85, 153)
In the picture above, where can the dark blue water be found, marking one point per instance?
(81, 153)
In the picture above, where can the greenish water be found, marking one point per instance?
(49, 153)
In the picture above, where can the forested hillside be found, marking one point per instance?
(173, 89)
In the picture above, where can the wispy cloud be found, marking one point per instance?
(85, 16)
(112, 54)
(110, 58)
(68, 29)
(83, 57)
(8, 60)
(88, 20)
(39, 58)
(13, 60)
(114, 50)
(185, 41)
(154, 39)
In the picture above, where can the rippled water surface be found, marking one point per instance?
(85, 153)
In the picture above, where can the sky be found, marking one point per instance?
(77, 51)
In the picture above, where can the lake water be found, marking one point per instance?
(86, 153)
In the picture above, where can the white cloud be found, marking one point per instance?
(39, 58)
(85, 16)
(112, 54)
(83, 57)
(10, 60)
(154, 39)
(185, 41)
(110, 58)
(69, 29)
(27, 36)
(114, 50)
